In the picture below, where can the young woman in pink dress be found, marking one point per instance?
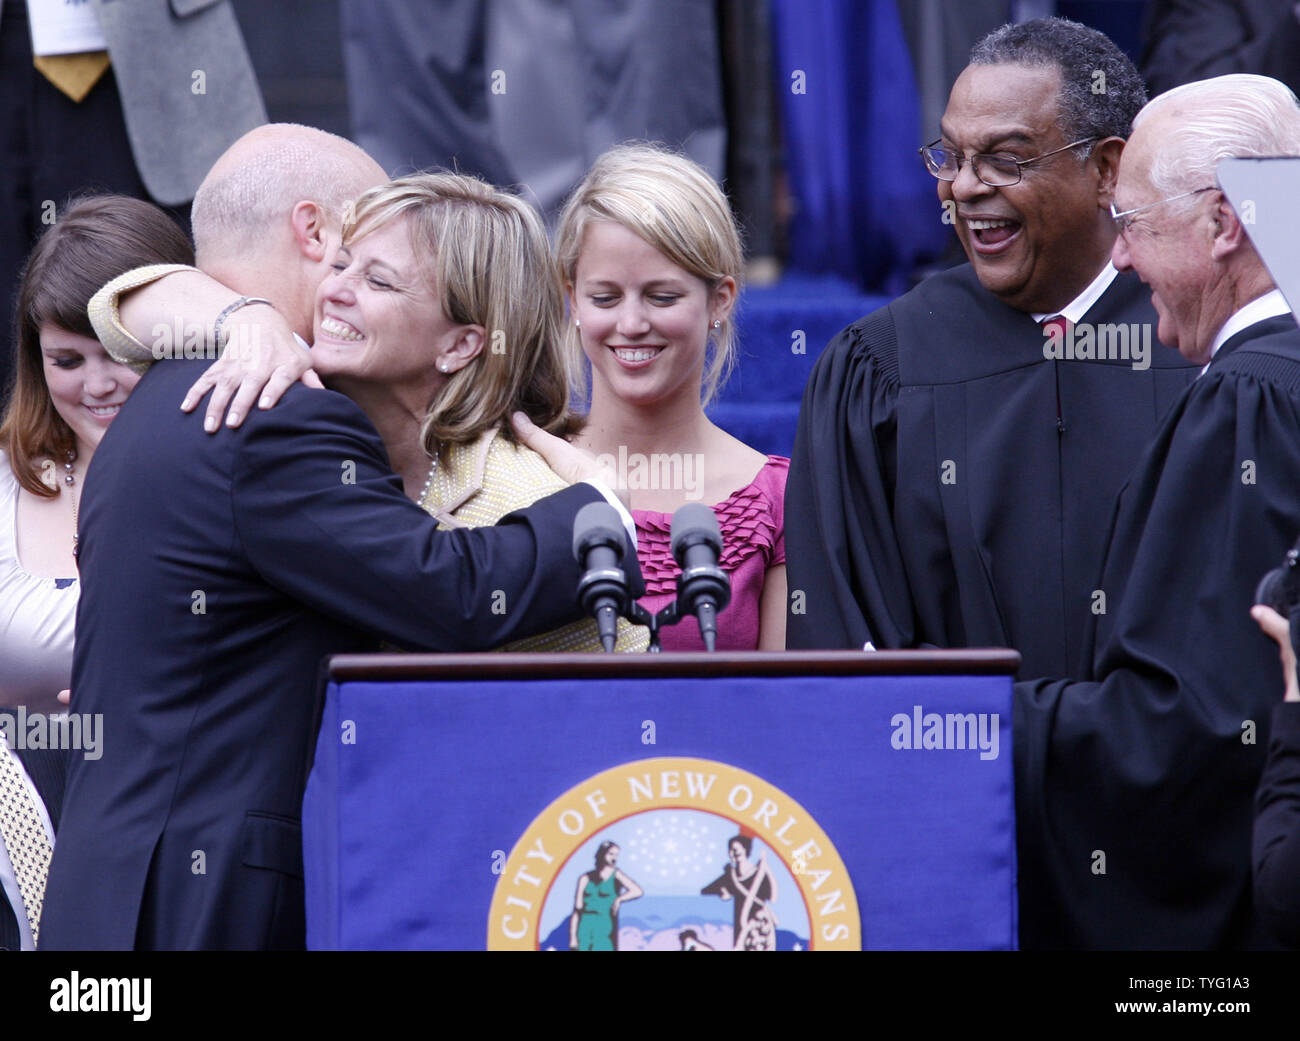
(651, 261)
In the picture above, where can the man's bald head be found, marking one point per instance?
(250, 192)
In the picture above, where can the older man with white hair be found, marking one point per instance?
(1134, 784)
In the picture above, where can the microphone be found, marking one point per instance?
(599, 544)
(703, 588)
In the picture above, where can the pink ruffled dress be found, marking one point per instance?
(753, 539)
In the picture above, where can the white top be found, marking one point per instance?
(36, 618)
(1074, 311)
(1270, 305)
(59, 27)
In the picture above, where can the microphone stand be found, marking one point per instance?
(703, 588)
(678, 610)
(665, 616)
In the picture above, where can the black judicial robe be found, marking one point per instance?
(1151, 763)
(952, 487)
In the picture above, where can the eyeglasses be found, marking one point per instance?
(997, 171)
(1124, 219)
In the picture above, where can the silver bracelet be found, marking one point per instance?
(230, 309)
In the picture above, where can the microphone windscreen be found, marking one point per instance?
(598, 523)
(695, 522)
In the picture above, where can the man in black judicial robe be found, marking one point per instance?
(1135, 784)
(951, 484)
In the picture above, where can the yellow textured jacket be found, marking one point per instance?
(479, 484)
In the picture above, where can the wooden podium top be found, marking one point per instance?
(983, 661)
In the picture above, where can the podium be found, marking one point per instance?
(762, 801)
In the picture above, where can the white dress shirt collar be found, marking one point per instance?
(1074, 311)
(1270, 305)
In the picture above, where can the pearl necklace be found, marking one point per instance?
(70, 480)
(424, 494)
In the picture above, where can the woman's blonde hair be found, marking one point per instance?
(673, 204)
(488, 260)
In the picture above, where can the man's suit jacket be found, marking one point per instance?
(46, 767)
(216, 572)
(187, 85)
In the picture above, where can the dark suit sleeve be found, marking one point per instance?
(1277, 829)
(1133, 788)
(841, 551)
(1188, 40)
(324, 519)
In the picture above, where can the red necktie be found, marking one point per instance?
(1060, 324)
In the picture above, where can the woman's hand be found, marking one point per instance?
(261, 361)
(1277, 627)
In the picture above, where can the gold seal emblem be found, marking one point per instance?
(674, 854)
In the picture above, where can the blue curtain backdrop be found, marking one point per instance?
(866, 208)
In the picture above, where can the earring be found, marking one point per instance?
(577, 323)
(717, 323)
(442, 366)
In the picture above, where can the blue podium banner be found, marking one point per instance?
(633, 812)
